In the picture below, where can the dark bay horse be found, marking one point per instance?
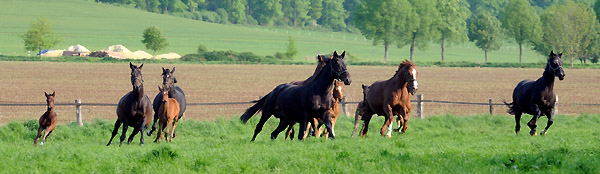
(299, 103)
(388, 98)
(175, 92)
(133, 109)
(47, 121)
(168, 113)
(537, 97)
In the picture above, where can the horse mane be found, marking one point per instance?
(404, 64)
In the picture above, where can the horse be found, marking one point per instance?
(260, 103)
(337, 94)
(388, 98)
(47, 120)
(168, 113)
(175, 92)
(537, 97)
(133, 109)
(298, 103)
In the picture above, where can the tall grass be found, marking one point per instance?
(438, 144)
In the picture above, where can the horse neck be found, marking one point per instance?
(548, 77)
(139, 93)
(323, 82)
(399, 82)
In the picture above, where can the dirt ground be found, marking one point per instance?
(25, 82)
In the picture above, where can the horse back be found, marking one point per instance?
(383, 93)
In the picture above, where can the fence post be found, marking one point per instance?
(344, 109)
(491, 107)
(78, 112)
(420, 105)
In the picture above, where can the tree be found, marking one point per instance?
(40, 36)
(383, 21)
(296, 11)
(333, 14)
(486, 31)
(315, 10)
(568, 28)
(291, 49)
(266, 11)
(521, 22)
(453, 22)
(237, 11)
(154, 39)
(421, 24)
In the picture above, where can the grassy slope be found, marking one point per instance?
(442, 144)
(97, 26)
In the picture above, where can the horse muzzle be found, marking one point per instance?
(561, 77)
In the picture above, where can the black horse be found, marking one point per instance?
(537, 97)
(299, 103)
(133, 109)
(176, 92)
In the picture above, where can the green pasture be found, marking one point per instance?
(98, 26)
(437, 144)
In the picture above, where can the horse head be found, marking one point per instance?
(338, 68)
(136, 76)
(407, 71)
(168, 79)
(338, 90)
(555, 65)
(165, 93)
(50, 100)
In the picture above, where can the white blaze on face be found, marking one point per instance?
(339, 88)
(415, 83)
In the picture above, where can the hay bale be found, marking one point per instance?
(78, 48)
(53, 53)
(168, 56)
(117, 48)
(139, 54)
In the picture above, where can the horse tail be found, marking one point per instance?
(254, 109)
(510, 106)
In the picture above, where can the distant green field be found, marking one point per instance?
(438, 144)
(98, 26)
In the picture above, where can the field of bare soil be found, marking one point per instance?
(25, 82)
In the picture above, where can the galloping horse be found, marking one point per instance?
(175, 92)
(168, 112)
(388, 98)
(537, 97)
(133, 109)
(47, 121)
(338, 94)
(299, 103)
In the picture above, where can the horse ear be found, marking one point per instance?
(320, 58)
(335, 54)
(174, 79)
(54, 93)
(343, 54)
(560, 55)
(45, 93)
(131, 65)
(173, 70)
(163, 68)
(141, 66)
(552, 52)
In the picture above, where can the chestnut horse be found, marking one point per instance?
(134, 109)
(537, 97)
(299, 103)
(175, 92)
(388, 98)
(338, 94)
(47, 121)
(168, 113)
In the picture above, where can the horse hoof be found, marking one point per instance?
(533, 134)
(543, 133)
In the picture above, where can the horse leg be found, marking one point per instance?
(142, 128)
(124, 132)
(282, 125)
(133, 134)
(174, 126)
(45, 135)
(153, 124)
(289, 132)
(327, 121)
(161, 127)
(533, 122)
(365, 128)
(389, 118)
(260, 124)
(168, 133)
(39, 134)
(400, 122)
(548, 124)
(114, 132)
(357, 119)
(517, 122)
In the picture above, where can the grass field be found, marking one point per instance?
(25, 82)
(443, 144)
(98, 26)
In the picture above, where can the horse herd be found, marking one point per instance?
(312, 102)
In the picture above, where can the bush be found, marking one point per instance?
(209, 16)
(280, 55)
(223, 56)
(251, 21)
(223, 16)
(201, 49)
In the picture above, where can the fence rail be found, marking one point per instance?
(420, 102)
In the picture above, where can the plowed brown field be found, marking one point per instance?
(25, 82)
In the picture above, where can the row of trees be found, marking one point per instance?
(569, 27)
